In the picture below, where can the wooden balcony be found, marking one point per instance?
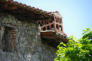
(52, 31)
(53, 37)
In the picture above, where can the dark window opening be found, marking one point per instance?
(48, 27)
(51, 21)
(52, 26)
(40, 24)
(9, 38)
(47, 23)
(44, 29)
(57, 26)
(60, 28)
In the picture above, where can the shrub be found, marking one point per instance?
(79, 50)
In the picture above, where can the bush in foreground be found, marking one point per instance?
(79, 50)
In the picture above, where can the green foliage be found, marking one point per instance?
(80, 50)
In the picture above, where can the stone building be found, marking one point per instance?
(21, 33)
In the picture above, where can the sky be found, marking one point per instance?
(77, 14)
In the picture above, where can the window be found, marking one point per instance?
(52, 26)
(40, 24)
(44, 29)
(47, 23)
(9, 39)
(57, 26)
(60, 28)
(48, 27)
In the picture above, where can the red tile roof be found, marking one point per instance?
(23, 11)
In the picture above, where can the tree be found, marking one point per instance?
(79, 50)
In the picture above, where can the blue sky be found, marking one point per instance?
(77, 14)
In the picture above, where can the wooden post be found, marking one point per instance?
(62, 27)
(55, 23)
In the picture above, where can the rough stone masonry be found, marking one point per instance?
(20, 41)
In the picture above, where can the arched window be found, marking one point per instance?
(44, 29)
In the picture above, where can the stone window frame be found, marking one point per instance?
(11, 41)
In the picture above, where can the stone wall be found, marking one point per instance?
(24, 40)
